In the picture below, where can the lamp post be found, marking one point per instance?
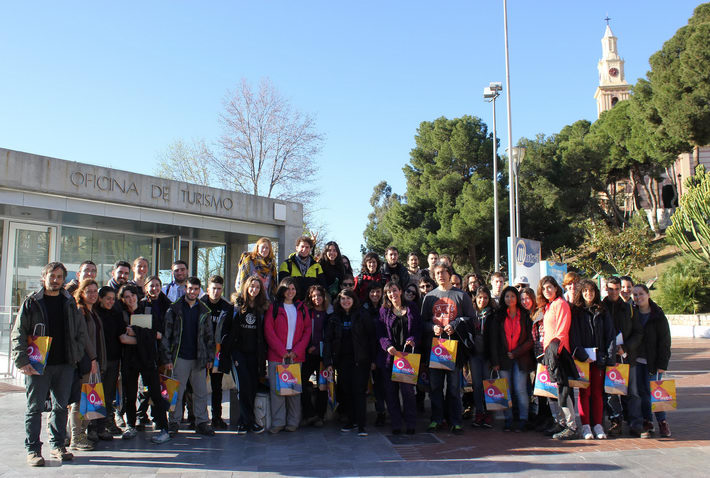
(511, 192)
(517, 157)
(490, 93)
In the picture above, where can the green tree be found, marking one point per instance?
(377, 236)
(691, 220)
(680, 81)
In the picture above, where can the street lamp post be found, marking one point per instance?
(511, 192)
(490, 93)
(518, 156)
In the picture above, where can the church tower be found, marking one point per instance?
(612, 85)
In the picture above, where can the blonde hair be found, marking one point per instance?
(255, 252)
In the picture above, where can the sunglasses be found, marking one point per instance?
(348, 284)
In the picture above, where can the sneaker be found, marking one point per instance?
(81, 442)
(204, 429)
(173, 428)
(119, 421)
(508, 426)
(457, 430)
(361, 432)
(639, 433)
(160, 438)
(648, 426)
(566, 434)
(61, 454)
(644, 434)
(488, 420)
(433, 426)
(616, 428)
(291, 428)
(664, 429)
(129, 434)
(348, 427)
(380, 420)
(554, 429)
(242, 429)
(599, 432)
(411, 431)
(34, 458)
(478, 420)
(93, 436)
(544, 425)
(587, 432)
(256, 428)
(113, 429)
(219, 424)
(105, 435)
(275, 430)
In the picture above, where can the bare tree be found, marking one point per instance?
(190, 163)
(268, 148)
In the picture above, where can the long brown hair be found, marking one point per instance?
(326, 297)
(541, 300)
(260, 303)
(386, 303)
(80, 290)
(530, 293)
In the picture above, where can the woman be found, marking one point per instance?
(592, 332)
(333, 268)
(556, 323)
(246, 347)
(140, 357)
(570, 285)
(511, 352)
(86, 296)
(259, 261)
(653, 358)
(113, 327)
(426, 285)
(369, 273)
(349, 348)
(411, 294)
(347, 265)
(399, 327)
(371, 309)
(317, 302)
(456, 280)
(287, 329)
(540, 405)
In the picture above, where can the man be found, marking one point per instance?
(87, 270)
(221, 313)
(521, 282)
(302, 267)
(440, 310)
(627, 286)
(628, 341)
(176, 288)
(392, 270)
(52, 312)
(431, 259)
(140, 274)
(189, 348)
(415, 273)
(119, 275)
(497, 283)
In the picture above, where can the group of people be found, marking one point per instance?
(314, 312)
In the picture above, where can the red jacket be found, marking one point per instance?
(276, 332)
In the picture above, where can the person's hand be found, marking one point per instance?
(392, 351)
(208, 366)
(168, 366)
(437, 330)
(28, 370)
(410, 343)
(449, 329)
(94, 367)
(236, 363)
(589, 360)
(495, 368)
(510, 355)
(372, 366)
(158, 336)
(130, 332)
(330, 370)
(311, 349)
(619, 350)
(661, 371)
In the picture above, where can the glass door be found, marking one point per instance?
(30, 248)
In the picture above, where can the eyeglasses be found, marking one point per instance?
(348, 284)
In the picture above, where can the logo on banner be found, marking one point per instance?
(526, 253)
(442, 353)
(287, 377)
(34, 353)
(662, 395)
(403, 365)
(615, 377)
(494, 392)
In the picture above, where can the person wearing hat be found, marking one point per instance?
(521, 282)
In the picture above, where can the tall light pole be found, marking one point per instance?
(517, 156)
(511, 192)
(490, 93)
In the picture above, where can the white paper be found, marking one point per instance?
(592, 352)
(620, 339)
(142, 320)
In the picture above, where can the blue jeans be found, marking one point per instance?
(518, 385)
(56, 379)
(631, 402)
(453, 394)
(477, 364)
(644, 388)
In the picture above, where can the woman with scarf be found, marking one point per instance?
(259, 261)
(369, 273)
(333, 268)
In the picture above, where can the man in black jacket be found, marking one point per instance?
(628, 340)
(392, 270)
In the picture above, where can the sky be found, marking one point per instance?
(115, 83)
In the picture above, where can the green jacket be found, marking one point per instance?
(173, 334)
(33, 313)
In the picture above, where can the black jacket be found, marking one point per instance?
(522, 350)
(656, 344)
(399, 270)
(231, 343)
(223, 325)
(363, 336)
(593, 328)
(626, 322)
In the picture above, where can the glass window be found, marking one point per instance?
(102, 247)
(209, 260)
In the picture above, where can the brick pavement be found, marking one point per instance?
(327, 452)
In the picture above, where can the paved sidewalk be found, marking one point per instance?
(328, 452)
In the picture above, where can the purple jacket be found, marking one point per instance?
(384, 332)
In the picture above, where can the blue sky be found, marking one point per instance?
(115, 84)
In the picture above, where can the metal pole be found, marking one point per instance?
(511, 191)
(496, 235)
(517, 203)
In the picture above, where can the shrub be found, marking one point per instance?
(683, 288)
